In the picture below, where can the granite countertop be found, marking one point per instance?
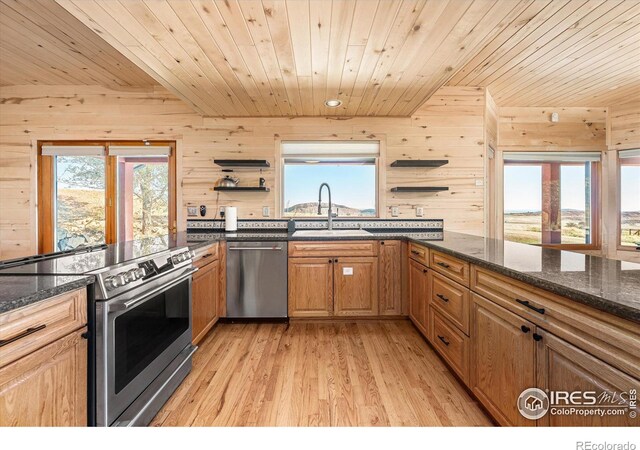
(606, 284)
(19, 291)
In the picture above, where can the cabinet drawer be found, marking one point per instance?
(451, 300)
(610, 338)
(451, 343)
(205, 255)
(450, 266)
(27, 329)
(419, 253)
(332, 248)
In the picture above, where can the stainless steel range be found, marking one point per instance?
(140, 333)
(143, 336)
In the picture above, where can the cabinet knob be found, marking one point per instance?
(525, 329)
(537, 337)
(381, 242)
(330, 261)
(335, 260)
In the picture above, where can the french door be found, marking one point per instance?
(103, 192)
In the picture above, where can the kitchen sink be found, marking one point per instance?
(330, 233)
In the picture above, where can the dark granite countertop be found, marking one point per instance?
(606, 284)
(19, 291)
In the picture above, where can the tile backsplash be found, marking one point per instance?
(306, 224)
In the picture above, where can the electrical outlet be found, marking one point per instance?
(480, 182)
(192, 211)
(419, 211)
(394, 211)
(265, 211)
(222, 212)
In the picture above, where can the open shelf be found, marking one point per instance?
(242, 188)
(419, 189)
(242, 162)
(419, 162)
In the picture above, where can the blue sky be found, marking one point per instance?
(351, 185)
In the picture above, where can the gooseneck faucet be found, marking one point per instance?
(330, 219)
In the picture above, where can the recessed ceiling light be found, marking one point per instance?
(333, 103)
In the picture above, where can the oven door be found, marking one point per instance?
(137, 337)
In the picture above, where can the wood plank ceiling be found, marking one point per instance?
(41, 43)
(286, 57)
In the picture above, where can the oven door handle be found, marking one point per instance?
(122, 306)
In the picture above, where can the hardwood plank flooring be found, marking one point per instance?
(319, 373)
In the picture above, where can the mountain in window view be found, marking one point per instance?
(311, 209)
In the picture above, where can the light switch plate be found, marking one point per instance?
(347, 271)
(265, 211)
(394, 211)
(419, 211)
(192, 211)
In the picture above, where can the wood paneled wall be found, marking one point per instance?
(623, 127)
(531, 129)
(448, 126)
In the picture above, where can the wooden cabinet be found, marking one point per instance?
(43, 369)
(451, 300)
(204, 295)
(355, 286)
(310, 287)
(419, 253)
(450, 266)
(503, 360)
(563, 367)
(47, 387)
(206, 291)
(390, 278)
(418, 295)
(450, 342)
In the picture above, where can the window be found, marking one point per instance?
(104, 192)
(629, 163)
(350, 168)
(551, 198)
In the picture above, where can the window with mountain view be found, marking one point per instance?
(629, 198)
(350, 169)
(550, 198)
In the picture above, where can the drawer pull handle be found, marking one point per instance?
(444, 341)
(415, 252)
(530, 306)
(442, 297)
(207, 255)
(525, 329)
(445, 265)
(25, 333)
(537, 337)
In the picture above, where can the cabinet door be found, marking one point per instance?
(418, 295)
(503, 360)
(204, 294)
(355, 286)
(390, 278)
(310, 287)
(563, 367)
(47, 387)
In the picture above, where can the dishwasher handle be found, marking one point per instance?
(256, 248)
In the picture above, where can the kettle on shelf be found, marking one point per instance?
(228, 181)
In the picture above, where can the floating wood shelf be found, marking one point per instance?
(242, 188)
(419, 189)
(242, 162)
(419, 162)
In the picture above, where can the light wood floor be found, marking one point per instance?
(367, 373)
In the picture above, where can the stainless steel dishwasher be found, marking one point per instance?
(256, 280)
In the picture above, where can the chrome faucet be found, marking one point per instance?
(330, 218)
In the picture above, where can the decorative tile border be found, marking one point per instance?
(317, 224)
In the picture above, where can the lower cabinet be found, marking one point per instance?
(503, 360)
(310, 287)
(355, 286)
(324, 287)
(390, 278)
(48, 387)
(419, 287)
(563, 367)
(204, 294)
